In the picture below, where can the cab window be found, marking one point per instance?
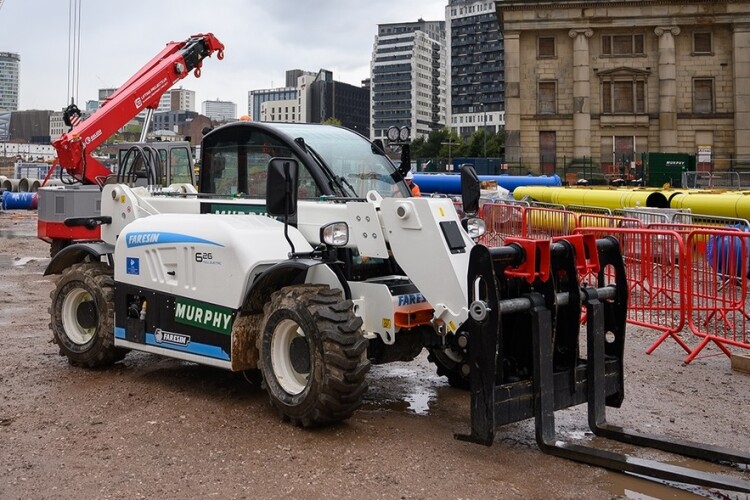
(239, 165)
(179, 165)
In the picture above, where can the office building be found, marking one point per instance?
(30, 126)
(171, 120)
(408, 78)
(256, 98)
(57, 125)
(219, 111)
(475, 67)
(346, 103)
(181, 99)
(314, 98)
(9, 81)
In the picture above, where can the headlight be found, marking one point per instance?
(335, 234)
(404, 134)
(475, 227)
(393, 133)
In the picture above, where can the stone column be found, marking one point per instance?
(512, 96)
(581, 93)
(741, 58)
(667, 89)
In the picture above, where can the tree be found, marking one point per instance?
(436, 145)
(332, 121)
(477, 147)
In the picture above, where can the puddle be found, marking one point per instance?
(579, 435)
(10, 261)
(398, 388)
(637, 488)
(23, 261)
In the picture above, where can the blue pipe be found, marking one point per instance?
(19, 201)
(451, 183)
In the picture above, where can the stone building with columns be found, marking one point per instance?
(604, 81)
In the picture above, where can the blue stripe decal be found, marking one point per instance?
(141, 239)
(199, 349)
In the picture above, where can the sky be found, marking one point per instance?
(262, 39)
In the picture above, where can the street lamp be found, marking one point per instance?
(484, 129)
(449, 143)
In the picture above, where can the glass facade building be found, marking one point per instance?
(257, 97)
(9, 81)
(475, 60)
(408, 78)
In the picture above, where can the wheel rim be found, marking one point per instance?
(79, 316)
(452, 355)
(290, 357)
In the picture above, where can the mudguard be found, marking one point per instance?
(78, 252)
(288, 272)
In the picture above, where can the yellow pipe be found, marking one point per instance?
(735, 204)
(723, 204)
(612, 198)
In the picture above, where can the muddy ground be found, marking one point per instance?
(154, 427)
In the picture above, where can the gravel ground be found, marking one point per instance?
(155, 427)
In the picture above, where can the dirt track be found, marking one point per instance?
(153, 427)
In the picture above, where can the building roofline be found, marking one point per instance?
(567, 4)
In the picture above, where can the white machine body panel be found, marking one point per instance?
(365, 230)
(427, 230)
(413, 230)
(374, 304)
(211, 258)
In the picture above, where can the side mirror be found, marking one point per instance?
(281, 187)
(470, 189)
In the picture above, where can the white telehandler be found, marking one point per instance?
(309, 260)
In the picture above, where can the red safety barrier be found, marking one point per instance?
(503, 221)
(545, 223)
(680, 276)
(605, 221)
(717, 270)
(655, 283)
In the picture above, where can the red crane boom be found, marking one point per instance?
(142, 91)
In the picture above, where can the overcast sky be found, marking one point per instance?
(263, 38)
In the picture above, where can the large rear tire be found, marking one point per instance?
(313, 355)
(82, 315)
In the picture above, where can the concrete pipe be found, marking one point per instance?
(35, 185)
(23, 185)
(11, 185)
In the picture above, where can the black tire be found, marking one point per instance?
(82, 315)
(313, 355)
(57, 245)
(449, 368)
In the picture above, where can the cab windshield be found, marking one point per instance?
(349, 156)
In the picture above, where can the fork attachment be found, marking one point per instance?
(525, 303)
